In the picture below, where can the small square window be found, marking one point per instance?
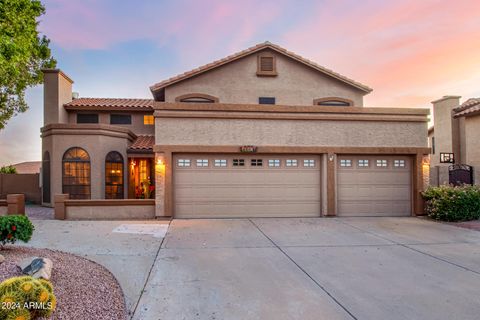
(256, 162)
(183, 162)
(266, 100)
(220, 163)
(148, 120)
(238, 162)
(291, 163)
(399, 163)
(345, 163)
(382, 163)
(363, 163)
(309, 163)
(274, 162)
(202, 162)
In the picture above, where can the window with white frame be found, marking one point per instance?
(382, 163)
(274, 162)
(291, 162)
(399, 163)
(220, 162)
(363, 163)
(309, 163)
(345, 163)
(256, 162)
(183, 162)
(238, 162)
(202, 162)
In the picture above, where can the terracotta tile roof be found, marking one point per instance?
(109, 104)
(252, 50)
(469, 107)
(143, 143)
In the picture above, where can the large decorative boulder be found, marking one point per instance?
(37, 267)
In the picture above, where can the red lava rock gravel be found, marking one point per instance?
(84, 289)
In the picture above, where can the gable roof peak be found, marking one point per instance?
(258, 47)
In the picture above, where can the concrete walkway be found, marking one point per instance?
(349, 268)
(129, 256)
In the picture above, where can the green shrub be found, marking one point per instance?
(13, 228)
(8, 169)
(448, 203)
(26, 298)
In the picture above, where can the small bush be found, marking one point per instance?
(448, 203)
(26, 298)
(8, 169)
(13, 228)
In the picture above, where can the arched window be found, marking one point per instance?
(114, 176)
(197, 98)
(46, 177)
(76, 173)
(333, 102)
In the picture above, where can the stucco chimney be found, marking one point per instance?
(446, 128)
(57, 90)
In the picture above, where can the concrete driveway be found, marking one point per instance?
(338, 268)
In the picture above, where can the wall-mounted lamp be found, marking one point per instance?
(159, 161)
(331, 157)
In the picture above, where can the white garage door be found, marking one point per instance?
(207, 186)
(374, 185)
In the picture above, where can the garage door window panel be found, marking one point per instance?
(363, 163)
(347, 163)
(220, 163)
(183, 163)
(274, 163)
(202, 162)
(309, 163)
(399, 163)
(256, 162)
(291, 162)
(239, 162)
(382, 163)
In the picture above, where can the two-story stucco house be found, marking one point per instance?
(261, 133)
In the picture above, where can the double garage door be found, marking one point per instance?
(246, 186)
(226, 185)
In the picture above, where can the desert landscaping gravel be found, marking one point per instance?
(84, 289)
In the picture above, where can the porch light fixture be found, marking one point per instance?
(159, 162)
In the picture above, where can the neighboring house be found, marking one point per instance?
(28, 167)
(455, 132)
(263, 132)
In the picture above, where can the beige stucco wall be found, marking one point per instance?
(258, 132)
(97, 147)
(114, 212)
(136, 127)
(472, 144)
(442, 119)
(237, 82)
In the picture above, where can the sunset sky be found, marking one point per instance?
(409, 52)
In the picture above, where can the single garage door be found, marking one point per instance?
(226, 186)
(374, 185)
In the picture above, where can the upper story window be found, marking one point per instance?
(333, 102)
(148, 120)
(87, 118)
(266, 64)
(266, 100)
(120, 119)
(197, 98)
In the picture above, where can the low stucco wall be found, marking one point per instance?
(124, 209)
(21, 183)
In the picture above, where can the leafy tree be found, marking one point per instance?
(8, 169)
(23, 53)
